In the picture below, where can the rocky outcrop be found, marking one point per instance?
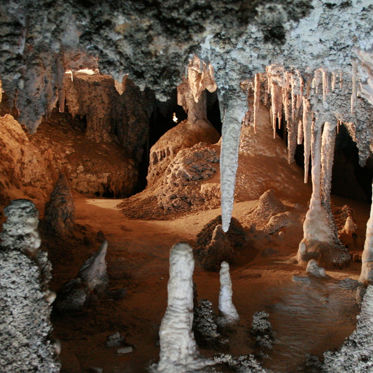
(268, 207)
(25, 300)
(213, 245)
(88, 286)
(110, 115)
(23, 169)
(59, 211)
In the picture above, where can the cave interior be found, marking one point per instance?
(186, 186)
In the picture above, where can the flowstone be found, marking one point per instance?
(25, 300)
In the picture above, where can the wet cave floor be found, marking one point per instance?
(307, 318)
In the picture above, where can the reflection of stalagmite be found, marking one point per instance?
(177, 345)
(226, 306)
(366, 275)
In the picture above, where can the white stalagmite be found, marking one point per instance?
(257, 82)
(177, 345)
(307, 128)
(226, 307)
(231, 131)
(366, 275)
(354, 91)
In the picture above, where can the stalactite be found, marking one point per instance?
(300, 133)
(354, 92)
(334, 77)
(341, 80)
(317, 80)
(1, 91)
(366, 275)
(307, 127)
(276, 98)
(265, 98)
(327, 158)
(231, 131)
(121, 86)
(257, 93)
(325, 84)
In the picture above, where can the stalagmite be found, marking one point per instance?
(366, 275)
(226, 307)
(354, 92)
(257, 83)
(177, 345)
(307, 129)
(231, 131)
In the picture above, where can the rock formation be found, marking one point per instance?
(226, 306)
(195, 129)
(91, 282)
(59, 212)
(25, 300)
(177, 345)
(314, 269)
(321, 240)
(355, 355)
(269, 206)
(213, 246)
(366, 275)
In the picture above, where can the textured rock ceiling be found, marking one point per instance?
(152, 41)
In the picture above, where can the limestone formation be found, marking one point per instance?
(213, 246)
(366, 275)
(195, 129)
(59, 212)
(205, 326)
(177, 345)
(355, 355)
(91, 282)
(25, 300)
(314, 269)
(269, 206)
(226, 306)
(320, 240)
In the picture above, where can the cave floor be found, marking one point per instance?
(306, 318)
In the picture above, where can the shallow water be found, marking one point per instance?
(308, 318)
